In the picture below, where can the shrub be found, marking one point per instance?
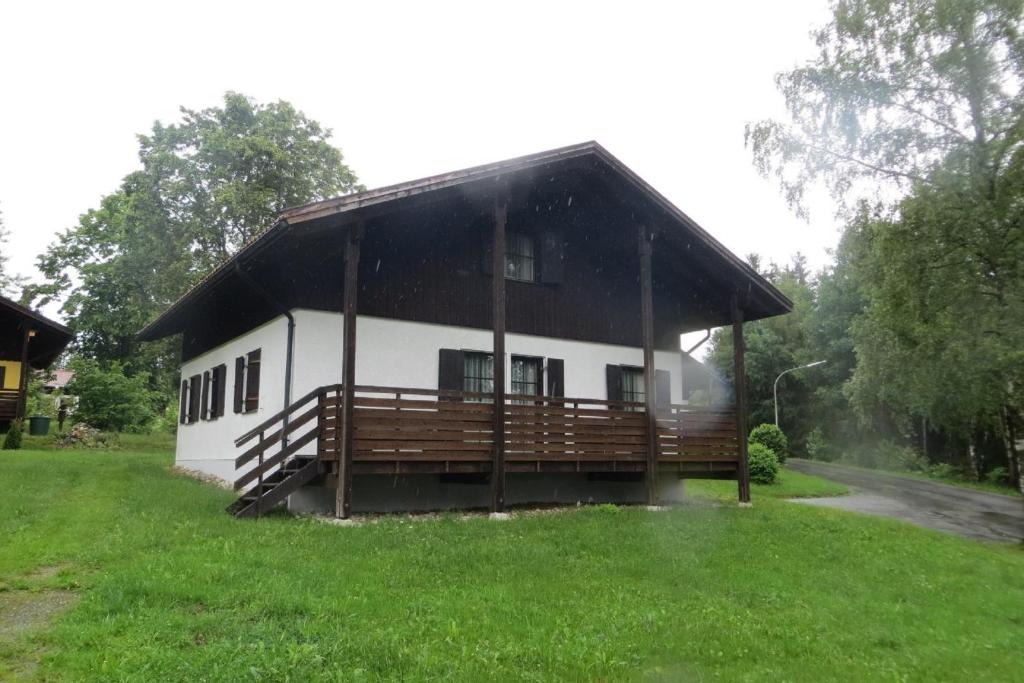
(111, 400)
(12, 441)
(998, 475)
(763, 464)
(817, 447)
(891, 456)
(942, 471)
(772, 438)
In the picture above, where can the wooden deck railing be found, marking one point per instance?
(406, 430)
(8, 404)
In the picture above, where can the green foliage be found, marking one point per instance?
(109, 399)
(922, 315)
(12, 440)
(817, 447)
(10, 282)
(897, 88)
(38, 401)
(188, 593)
(998, 475)
(763, 464)
(207, 185)
(773, 438)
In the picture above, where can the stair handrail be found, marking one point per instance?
(295, 405)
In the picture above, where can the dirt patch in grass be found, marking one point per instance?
(24, 611)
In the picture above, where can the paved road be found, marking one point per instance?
(952, 509)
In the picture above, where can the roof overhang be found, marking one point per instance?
(49, 340)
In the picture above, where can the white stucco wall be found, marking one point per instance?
(388, 353)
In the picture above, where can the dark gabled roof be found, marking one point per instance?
(39, 318)
(50, 340)
(357, 204)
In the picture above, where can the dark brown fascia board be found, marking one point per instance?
(351, 203)
(39, 318)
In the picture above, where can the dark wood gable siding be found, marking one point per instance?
(426, 265)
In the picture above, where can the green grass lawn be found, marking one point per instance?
(174, 589)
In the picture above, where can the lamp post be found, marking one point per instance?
(775, 387)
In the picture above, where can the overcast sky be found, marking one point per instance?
(411, 89)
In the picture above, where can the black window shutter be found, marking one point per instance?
(220, 377)
(3, 376)
(614, 376)
(450, 370)
(662, 390)
(239, 383)
(194, 396)
(204, 411)
(556, 377)
(252, 380)
(183, 406)
(552, 257)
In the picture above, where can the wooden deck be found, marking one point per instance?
(423, 431)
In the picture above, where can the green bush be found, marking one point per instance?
(942, 471)
(818, 448)
(772, 438)
(12, 441)
(998, 475)
(762, 462)
(110, 400)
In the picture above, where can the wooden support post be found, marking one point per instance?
(343, 503)
(498, 304)
(647, 330)
(740, 392)
(23, 377)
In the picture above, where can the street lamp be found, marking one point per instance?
(775, 388)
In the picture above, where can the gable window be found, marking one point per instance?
(247, 382)
(527, 376)
(478, 374)
(520, 257)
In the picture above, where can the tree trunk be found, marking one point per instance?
(1013, 464)
(972, 455)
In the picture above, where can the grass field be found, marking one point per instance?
(160, 584)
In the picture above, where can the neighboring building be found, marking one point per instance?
(27, 340)
(402, 289)
(59, 380)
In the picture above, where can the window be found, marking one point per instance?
(247, 382)
(213, 392)
(633, 385)
(192, 404)
(478, 374)
(526, 376)
(520, 257)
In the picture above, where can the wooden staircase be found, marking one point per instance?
(274, 488)
(280, 468)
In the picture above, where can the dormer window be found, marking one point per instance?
(520, 257)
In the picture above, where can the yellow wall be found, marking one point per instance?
(13, 374)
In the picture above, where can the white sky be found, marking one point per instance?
(411, 89)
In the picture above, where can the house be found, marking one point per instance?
(27, 340)
(345, 359)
